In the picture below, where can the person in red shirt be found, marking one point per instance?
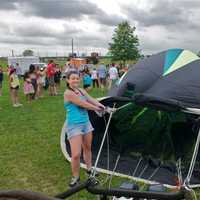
(50, 76)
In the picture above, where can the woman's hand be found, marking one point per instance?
(100, 109)
(101, 106)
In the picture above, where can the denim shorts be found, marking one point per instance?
(78, 129)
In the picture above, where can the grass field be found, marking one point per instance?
(3, 62)
(30, 152)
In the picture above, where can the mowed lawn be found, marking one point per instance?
(30, 154)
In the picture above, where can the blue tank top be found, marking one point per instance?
(87, 80)
(76, 114)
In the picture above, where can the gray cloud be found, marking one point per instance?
(50, 44)
(188, 4)
(57, 9)
(8, 4)
(67, 10)
(34, 34)
(4, 28)
(43, 31)
(170, 14)
(109, 20)
(162, 13)
(18, 40)
(164, 24)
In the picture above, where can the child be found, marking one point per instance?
(28, 87)
(33, 77)
(40, 82)
(78, 126)
(87, 81)
(95, 78)
(14, 88)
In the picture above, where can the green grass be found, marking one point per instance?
(30, 151)
(3, 62)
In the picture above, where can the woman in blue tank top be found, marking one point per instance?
(78, 126)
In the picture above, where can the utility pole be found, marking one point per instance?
(72, 48)
(12, 53)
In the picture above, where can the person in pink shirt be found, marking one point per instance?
(50, 76)
(28, 87)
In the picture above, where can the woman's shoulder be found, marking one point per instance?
(68, 92)
(82, 91)
(67, 95)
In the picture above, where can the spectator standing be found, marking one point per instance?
(94, 77)
(40, 81)
(102, 72)
(14, 88)
(113, 75)
(57, 77)
(18, 70)
(28, 87)
(1, 79)
(33, 77)
(9, 68)
(50, 76)
(70, 68)
(87, 81)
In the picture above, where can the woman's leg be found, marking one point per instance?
(75, 145)
(87, 153)
(97, 83)
(41, 90)
(14, 91)
(16, 96)
(0, 88)
(38, 90)
(12, 96)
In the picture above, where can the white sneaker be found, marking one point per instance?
(19, 104)
(74, 181)
(15, 105)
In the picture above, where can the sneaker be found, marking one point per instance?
(19, 104)
(15, 105)
(74, 181)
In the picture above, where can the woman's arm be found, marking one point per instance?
(10, 80)
(70, 96)
(92, 100)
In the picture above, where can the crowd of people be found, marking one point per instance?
(37, 79)
(103, 76)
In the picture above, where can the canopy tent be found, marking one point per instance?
(167, 81)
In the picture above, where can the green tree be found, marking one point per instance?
(124, 44)
(28, 52)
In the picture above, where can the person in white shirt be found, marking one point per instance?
(113, 75)
(18, 70)
(94, 76)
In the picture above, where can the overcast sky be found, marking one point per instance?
(47, 26)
